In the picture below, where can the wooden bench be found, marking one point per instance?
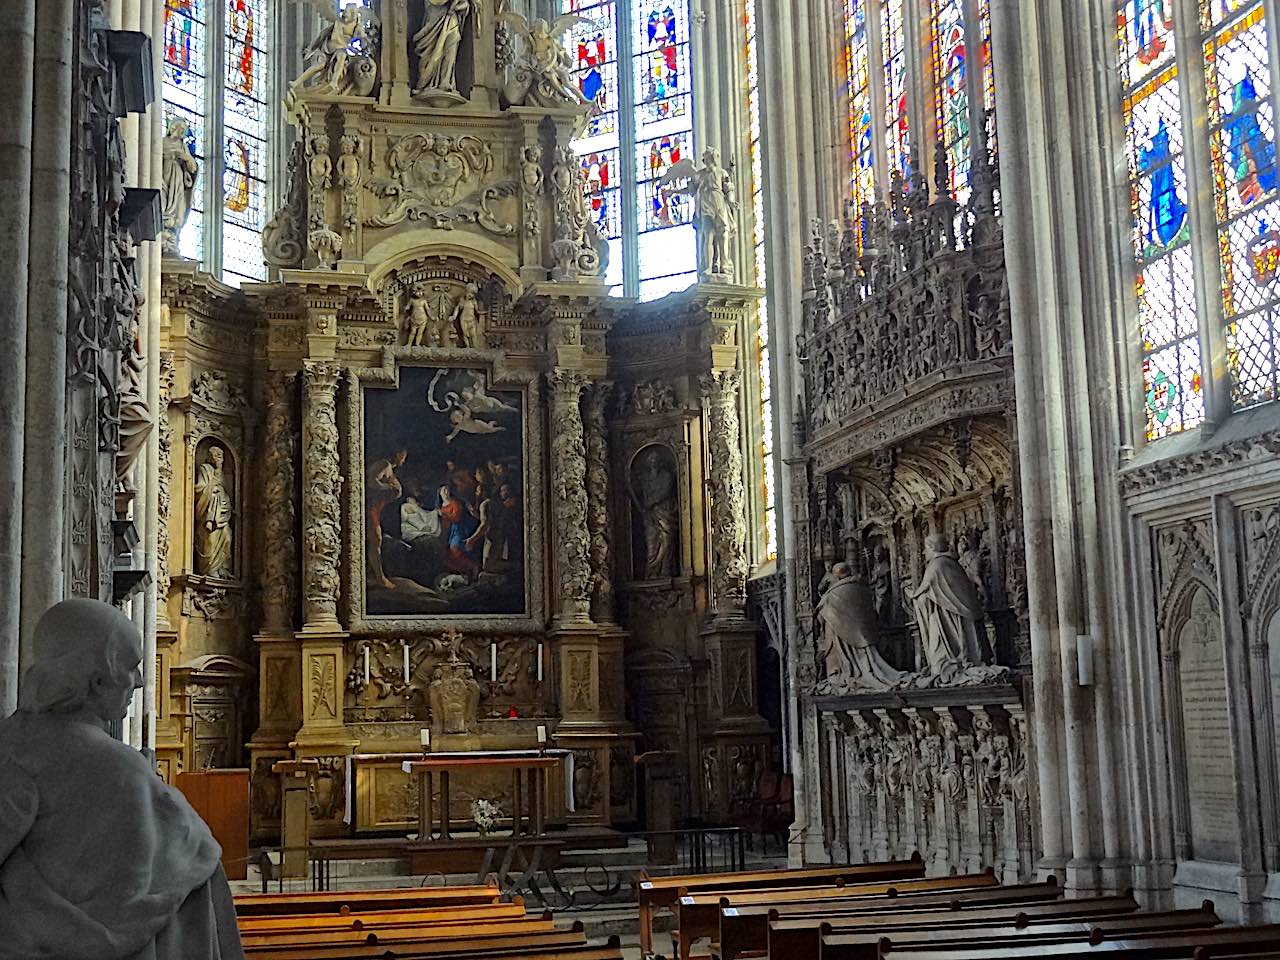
(373, 920)
(657, 893)
(355, 901)
(698, 915)
(867, 946)
(790, 933)
(478, 940)
(267, 945)
(1216, 944)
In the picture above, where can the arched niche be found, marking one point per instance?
(215, 511)
(653, 483)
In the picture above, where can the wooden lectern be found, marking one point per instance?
(295, 814)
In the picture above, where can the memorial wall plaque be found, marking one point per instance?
(1215, 833)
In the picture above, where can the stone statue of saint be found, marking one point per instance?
(436, 45)
(178, 171)
(850, 659)
(654, 487)
(948, 612)
(213, 518)
(712, 189)
(99, 859)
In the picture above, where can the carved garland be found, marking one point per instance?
(728, 514)
(280, 548)
(164, 498)
(597, 449)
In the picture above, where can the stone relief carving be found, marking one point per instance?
(441, 181)
(455, 695)
(712, 188)
(328, 789)
(532, 188)
(569, 493)
(728, 514)
(578, 250)
(597, 480)
(214, 513)
(178, 171)
(322, 482)
(284, 238)
(164, 497)
(653, 493)
(214, 389)
(279, 512)
(136, 419)
(586, 780)
(578, 696)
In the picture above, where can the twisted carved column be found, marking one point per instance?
(322, 483)
(279, 585)
(728, 514)
(597, 443)
(569, 494)
(164, 480)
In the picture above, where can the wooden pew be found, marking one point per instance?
(657, 893)
(508, 940)
(1215, 944)
(745, 928)
(349, 901)
(373, 920)
(268, 945)
(698, 915)
(866, 946)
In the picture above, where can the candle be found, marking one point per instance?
(366, 666)
(493, 662)
(542, 733)
(539, 662)
(404, 645)
(424, 735)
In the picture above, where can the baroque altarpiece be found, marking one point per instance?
(913, 662)
(432, 474)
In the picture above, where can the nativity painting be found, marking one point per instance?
(444, 496)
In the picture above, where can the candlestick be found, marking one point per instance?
(542, 733)
(404, 645)
(493, 663)
(539, 662)
(366, 666)
(424, 736)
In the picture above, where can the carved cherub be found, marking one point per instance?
(466, 317)
(550, 81)
(348, 39)
(417, 315)
(349, 162)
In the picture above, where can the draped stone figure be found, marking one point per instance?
(712, 188)
(849, 631)
(948, 612)
(99, 859)
(436, 45)
(213, 518)
(178, 170)
(653, 485)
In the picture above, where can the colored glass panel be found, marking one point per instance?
(754, 147)
(952, 89)
(184, 97)
(593, 53)
(1164, 277)
(1243, 151)
(897, 109)
(184, 42)
(988, 71)
(861, 125)
(244, 159)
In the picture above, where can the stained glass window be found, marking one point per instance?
(1242, 146)
(861, 109)
(761, 275)
(1164, 279)
(184, 98)
(641, 124)
(897, 105)
(230, 97)
(950, 66)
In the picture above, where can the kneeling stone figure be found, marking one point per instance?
(99, 859)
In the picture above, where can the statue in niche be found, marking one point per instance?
(178, 169)
(437, 43)
(343, 56)
(949, 615)
(466, 318)
(971, 563)
(653, 488)
(712, 189)
(98, 857)
(882, 580)
(847, 647)
(214, 514)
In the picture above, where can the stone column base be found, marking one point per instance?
(603, 773)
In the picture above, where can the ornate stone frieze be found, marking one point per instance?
(322, 483)
(569, 494)
(1162, 474)
(284, 239)
(597, 480)
(279, 512)
(728, 512)
(216, 391)
(164, 484)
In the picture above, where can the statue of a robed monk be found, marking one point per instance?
(850, 630)
(99, 859)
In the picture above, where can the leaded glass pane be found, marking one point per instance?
(897, 84)
(861, 137)
(184, 98)
(952, 86)
(245, 118)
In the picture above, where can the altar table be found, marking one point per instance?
(519, 762)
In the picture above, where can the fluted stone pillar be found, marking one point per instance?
(569, 497)
(728, 515)
(16, 88)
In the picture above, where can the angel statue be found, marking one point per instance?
(541, 77)
(344, 56)
(711, 187)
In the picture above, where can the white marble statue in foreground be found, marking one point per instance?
(99, 859)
